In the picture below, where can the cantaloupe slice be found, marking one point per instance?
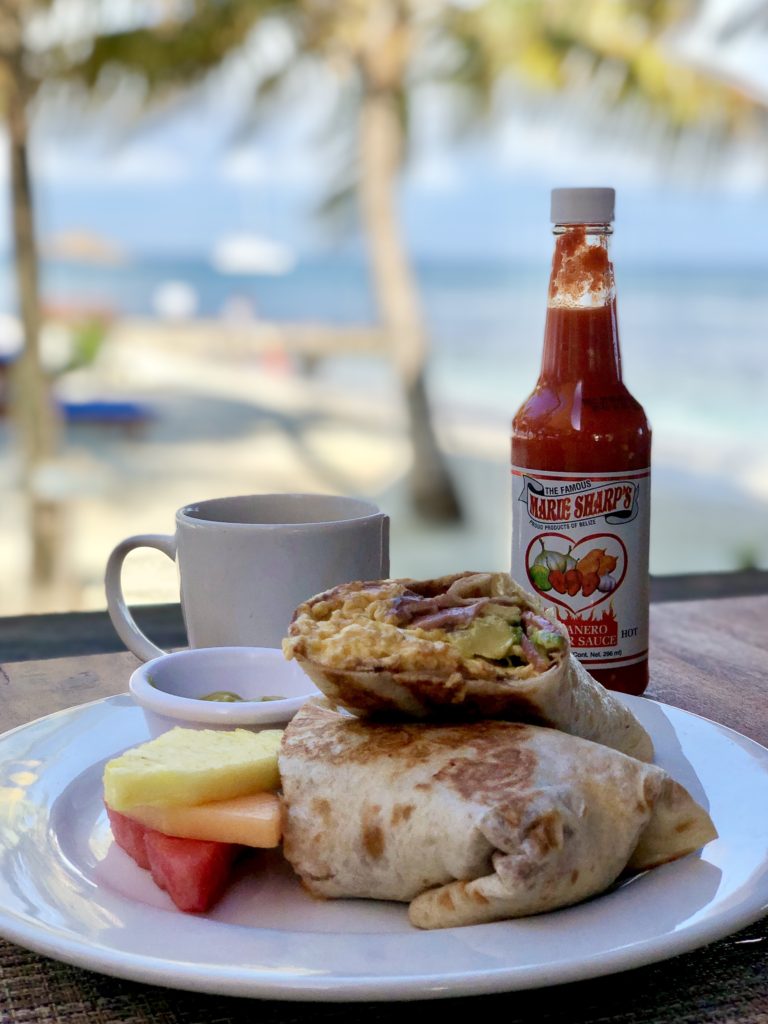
(185, 767)
(252, 820)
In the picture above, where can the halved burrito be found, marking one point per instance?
(471, 823)
(474, 645)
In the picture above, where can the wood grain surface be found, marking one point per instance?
(711, 657)
(31, 689)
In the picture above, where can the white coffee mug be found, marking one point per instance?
(246, 563)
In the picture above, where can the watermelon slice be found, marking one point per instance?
(194, 872)
(129, 836)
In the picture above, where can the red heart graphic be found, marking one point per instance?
(576, 603)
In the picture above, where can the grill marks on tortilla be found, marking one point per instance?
(547, 833)
(305, 739)
(322, 809)
(497, 755)
(371, 832)
(498, 763)
(436, 689)
(471, 823)
(401, 812)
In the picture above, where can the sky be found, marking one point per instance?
(174, 183)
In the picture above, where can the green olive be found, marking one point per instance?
(227, 697)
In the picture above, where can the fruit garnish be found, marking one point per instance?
(193, 766)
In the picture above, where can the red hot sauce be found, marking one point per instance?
(581, 455)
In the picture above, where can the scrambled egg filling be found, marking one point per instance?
(355, 629)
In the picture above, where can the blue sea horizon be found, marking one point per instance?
(693, 338)
(693, 345)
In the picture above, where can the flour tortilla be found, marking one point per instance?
(471, 823)
(425, 680)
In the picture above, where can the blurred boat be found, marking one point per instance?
(251, 254)
(175, 300)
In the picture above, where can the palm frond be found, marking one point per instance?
(548, 45)
(338, 210)
(174, 53)
(339, 141)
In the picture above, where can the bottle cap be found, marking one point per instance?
(583, 205)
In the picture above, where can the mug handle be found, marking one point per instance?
(119, 612)
(385, 547)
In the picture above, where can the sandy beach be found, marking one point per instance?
(225, 420)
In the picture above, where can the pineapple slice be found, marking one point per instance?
(185, 767)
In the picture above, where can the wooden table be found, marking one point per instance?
(710, 657)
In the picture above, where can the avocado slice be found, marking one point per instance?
(487, 637)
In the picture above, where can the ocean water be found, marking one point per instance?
(694, 348)
(693, 339)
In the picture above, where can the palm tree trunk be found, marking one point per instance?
(432, 489)
(30, 393)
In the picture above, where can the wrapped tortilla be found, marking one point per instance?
(475, 645)
(471, 823)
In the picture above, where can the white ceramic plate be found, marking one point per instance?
(68, 892)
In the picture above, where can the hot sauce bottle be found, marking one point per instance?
(581, 456)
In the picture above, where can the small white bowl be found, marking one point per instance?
(169, 689)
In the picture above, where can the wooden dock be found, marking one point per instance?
(233, 338)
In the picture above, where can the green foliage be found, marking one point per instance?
(176, 52)
(398, 45)
(549, 45)
(555, 45)
(87, 340)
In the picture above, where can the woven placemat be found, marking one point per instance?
(720, 984)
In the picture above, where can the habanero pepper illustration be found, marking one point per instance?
(590, 583)
(557, 580)
(596, 568)
(598, 562)
(560, 571)
(573, 582)
(548, 568)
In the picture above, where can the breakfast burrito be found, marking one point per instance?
(474, 822)
(472, 645)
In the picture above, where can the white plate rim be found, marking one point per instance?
(218, 980)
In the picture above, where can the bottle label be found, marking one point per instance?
(580, 541)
